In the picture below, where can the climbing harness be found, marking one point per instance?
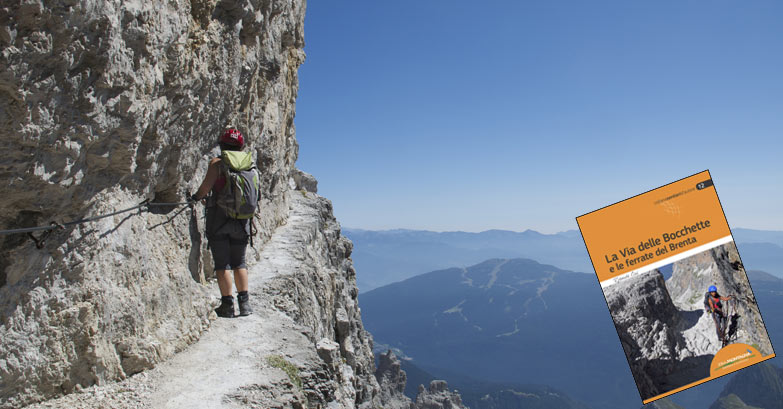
(47, 230)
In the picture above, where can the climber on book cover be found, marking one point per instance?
(714, 306)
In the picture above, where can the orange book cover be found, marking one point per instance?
(675, 287)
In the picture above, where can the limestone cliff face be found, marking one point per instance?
(319, 293)
(647, 322)
(104, 104)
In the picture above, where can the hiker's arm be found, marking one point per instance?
(209, 180)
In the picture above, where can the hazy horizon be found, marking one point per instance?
(514, 231)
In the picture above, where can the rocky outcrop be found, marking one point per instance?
(392, 379)
(647, 322)
(304, 181)
(104, 104)
(719, 266)
(438, 396)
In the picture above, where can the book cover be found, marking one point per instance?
(675, 287)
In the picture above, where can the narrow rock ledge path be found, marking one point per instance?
(229, 367)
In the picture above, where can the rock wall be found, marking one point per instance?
(104, 104)
(719, 266)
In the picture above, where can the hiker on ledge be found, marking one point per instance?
(713, 305)
(231, 188)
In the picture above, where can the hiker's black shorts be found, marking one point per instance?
(227, 239)
(228, 250)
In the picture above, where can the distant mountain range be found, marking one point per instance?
(757, 236)
(762, 256)
(507, 321)
(518, 322)
(760, 386)
(387, 256)
(384, 257)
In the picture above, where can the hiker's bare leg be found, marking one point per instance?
(224, 282)
(240, 278)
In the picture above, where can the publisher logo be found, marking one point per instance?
(733, 357)
(703, 185)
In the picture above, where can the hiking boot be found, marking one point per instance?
(244, 305)
(226, 309)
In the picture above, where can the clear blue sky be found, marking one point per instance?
(463, 115)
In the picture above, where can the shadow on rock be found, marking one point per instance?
(733, 324)
(691, 318)
(683, 372)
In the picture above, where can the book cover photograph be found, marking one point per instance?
(675, 287)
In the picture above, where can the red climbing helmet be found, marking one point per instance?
(232, 137)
